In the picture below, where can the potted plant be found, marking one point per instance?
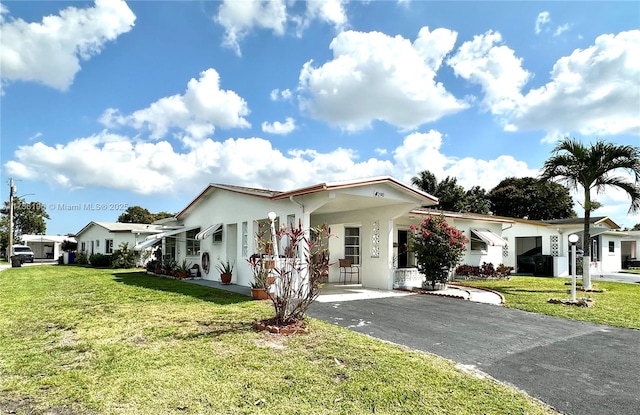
(183, 269)
(225, 269)
(261, 280)
(169, 266)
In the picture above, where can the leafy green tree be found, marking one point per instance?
(594, 167)
(28, 218)
(438, 248)
(138, 214)
(452, 197)
(636, 227)
(477, 201)
(531, 198)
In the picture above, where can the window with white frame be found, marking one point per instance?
(612, 247)
(193, 245)
(108, 246)
(352, 244)
(97, 243)
(477, 243)
(83, 246)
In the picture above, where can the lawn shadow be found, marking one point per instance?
(508, 290)
(201, 292)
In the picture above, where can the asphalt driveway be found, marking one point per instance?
(578, 368)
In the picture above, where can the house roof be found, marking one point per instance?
(47, 238)
(320, 187)
(124, 227)
(463, 215)
(596, 220)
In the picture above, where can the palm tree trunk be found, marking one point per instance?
(586, 242)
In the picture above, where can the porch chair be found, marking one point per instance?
(346, 268)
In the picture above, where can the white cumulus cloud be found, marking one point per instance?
(486, 61)
(541, 20)
(373, 76)
(50, 52)
(239, 17)
(202, 108)
(278, 95)
(278, 127)
(112, 161)
(593, 91)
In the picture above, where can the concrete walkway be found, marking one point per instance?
(330, 293)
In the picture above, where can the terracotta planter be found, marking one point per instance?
(158, 271)
(259, 294)
(182, 275)
(269, 263)
(225, 278)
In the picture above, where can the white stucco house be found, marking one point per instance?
(46, 246)
(105, 237)
(366, 217)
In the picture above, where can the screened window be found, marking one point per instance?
(193, 246)
(217, 236)
(612, 247)
(477, 244)
(352, 245)
(108, 246)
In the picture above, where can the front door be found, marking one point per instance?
(403, 252)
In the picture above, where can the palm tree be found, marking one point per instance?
(425, 181)
(594, 167)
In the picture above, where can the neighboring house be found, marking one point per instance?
(630, 249)
(46, 246)
(105, 237)
(364, 215)
(543, 246)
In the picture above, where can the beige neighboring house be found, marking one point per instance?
(46, 246)
(105, 237)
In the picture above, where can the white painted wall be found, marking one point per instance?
(231, 209)
(610, 261)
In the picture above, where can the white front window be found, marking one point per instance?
(352, 245)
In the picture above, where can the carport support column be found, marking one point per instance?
(390, 254)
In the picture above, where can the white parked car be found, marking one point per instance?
(23, 252)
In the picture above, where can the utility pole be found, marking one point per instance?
(12, 190)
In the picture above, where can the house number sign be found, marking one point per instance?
(378, 194)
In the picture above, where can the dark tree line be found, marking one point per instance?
(513, 197)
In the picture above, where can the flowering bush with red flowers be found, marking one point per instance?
(438, 248)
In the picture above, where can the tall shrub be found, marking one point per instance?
(298, 273)
(438, 248)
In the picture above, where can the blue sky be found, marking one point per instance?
(110, 104)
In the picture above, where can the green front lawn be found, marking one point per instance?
(617, 306)
(632, 271)
(78, 340)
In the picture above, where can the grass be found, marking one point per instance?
(617, 306)
(79, 340)
(632, 271)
